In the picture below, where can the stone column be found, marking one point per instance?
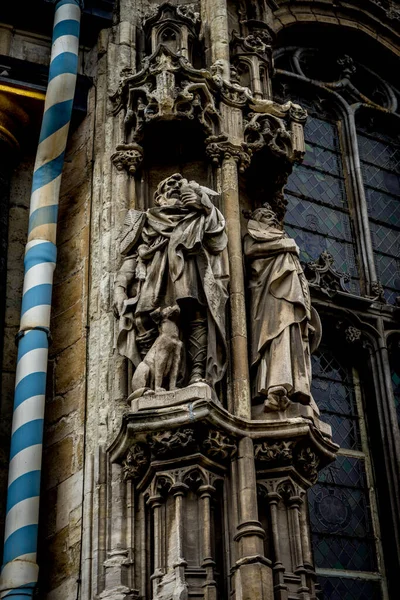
(216, 15)
(208, 563)
(253, 576)
(13, 118)
(239, 352)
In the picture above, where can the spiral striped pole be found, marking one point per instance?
(20, 571)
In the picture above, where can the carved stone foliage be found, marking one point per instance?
(219, 446)
(279, 452)
(167, 442)
(307, 463)
(136, 462)
(128, 157)
(322, 275)
(211, 442)
(218, 147)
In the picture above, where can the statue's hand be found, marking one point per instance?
(119, 299)
(198, 201)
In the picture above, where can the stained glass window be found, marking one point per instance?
(340, 515)
(380, 167)
(318, 216)
(394, 355)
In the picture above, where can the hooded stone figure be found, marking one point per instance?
(283, 323)
(175, 254)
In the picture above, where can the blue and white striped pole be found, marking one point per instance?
(20, 571)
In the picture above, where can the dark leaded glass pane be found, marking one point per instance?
(383, 180)
(346, 471)
(321, 133)
(343, 553)
(324, 364)
(321, 158)
(389, 271)
(312, 245)
(333, 396)
(340, 511)
(316, 185)
(343, 588)
(379, 153)
(318, 218)
(385, 239)
(396, 392)
(345, 431)
(383, 207)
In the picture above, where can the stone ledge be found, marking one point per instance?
(198, 391)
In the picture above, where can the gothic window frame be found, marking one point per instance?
(346, 114)
(335, 92)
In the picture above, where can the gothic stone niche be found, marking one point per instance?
(167, 88)
(171, 290)
(176, 27)
(252, 54)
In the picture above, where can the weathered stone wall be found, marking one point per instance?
(61, 506)
(63, 458)
(17, 234)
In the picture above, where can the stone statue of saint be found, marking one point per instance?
(283, 323)
(175, 271)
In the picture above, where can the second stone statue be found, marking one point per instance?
(171, 290)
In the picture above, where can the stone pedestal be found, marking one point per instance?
(215, 495)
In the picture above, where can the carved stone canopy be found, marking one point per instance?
(175, 27)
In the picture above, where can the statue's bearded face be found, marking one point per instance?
(266, 217)
(168, 191)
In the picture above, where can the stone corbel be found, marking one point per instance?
(219, 148)
(128, 157)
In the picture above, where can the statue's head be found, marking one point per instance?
(266, 215)
(168, 191)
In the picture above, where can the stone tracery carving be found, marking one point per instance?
(321, 274)
(284, 328)
(174, 261)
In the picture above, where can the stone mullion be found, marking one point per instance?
(156, 504)
(305, 534)
(179, 491)
(239, 349)
(295, 503)
(359, 202)
(280, 588)
(208, 562)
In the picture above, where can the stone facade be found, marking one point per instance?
(198, 490)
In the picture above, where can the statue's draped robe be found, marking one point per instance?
(184, 253)
(280, 313)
